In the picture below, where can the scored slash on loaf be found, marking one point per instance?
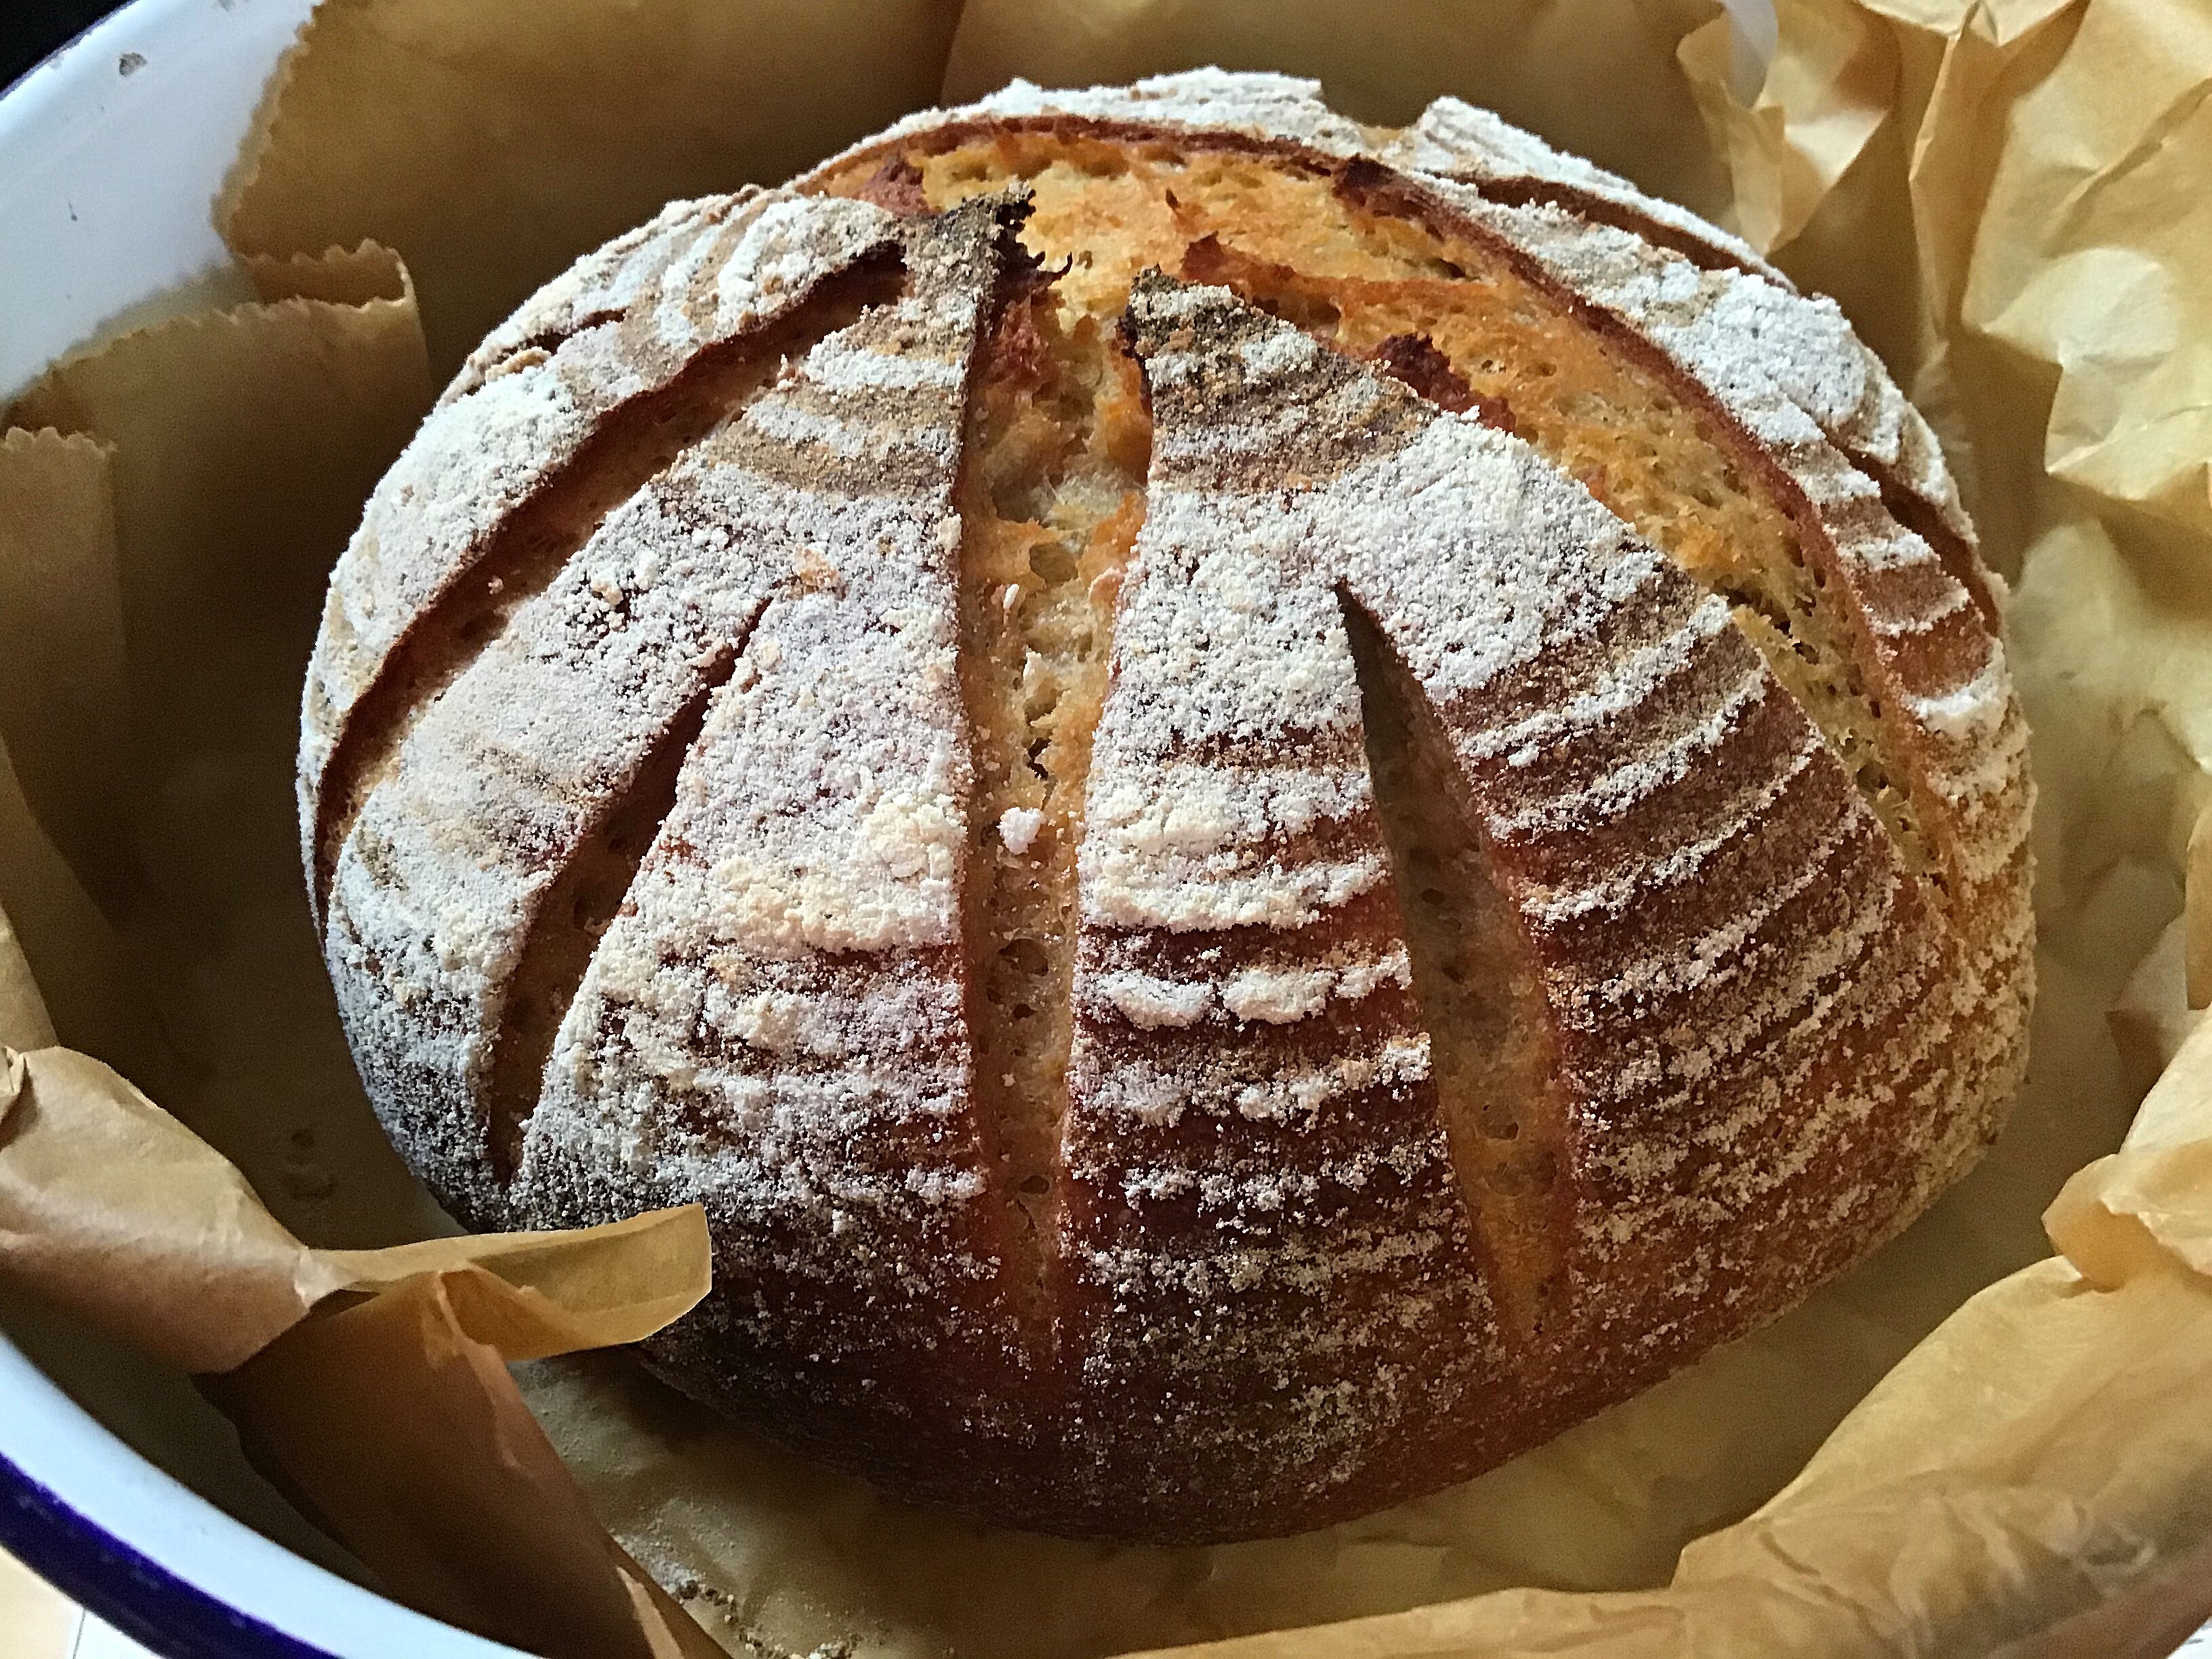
(1264, 808)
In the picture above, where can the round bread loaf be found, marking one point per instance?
(1263, 807)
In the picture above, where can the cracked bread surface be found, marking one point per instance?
(1263, 807)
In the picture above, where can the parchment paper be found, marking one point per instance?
(402, 1434)
(110, 1205)
(492, 142)
(1384, 63)
(393, 1420)
(234, 448)
(159, 560)
(2009, 199)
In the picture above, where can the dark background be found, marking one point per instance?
(29, 29)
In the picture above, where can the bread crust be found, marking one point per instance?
(598, 342)
(1810, 402)
(1665, 271)
(1274, 1293)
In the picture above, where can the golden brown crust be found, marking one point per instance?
(1516, 945)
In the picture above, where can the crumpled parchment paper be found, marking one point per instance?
(160, 535)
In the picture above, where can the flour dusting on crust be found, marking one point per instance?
(658, 892)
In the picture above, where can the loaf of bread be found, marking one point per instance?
(1263, 807)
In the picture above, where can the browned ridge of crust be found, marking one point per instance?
(1243, 891)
